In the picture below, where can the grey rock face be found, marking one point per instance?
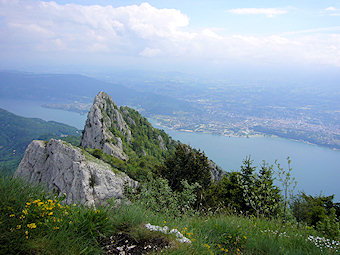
(216, 172)
(66, 169)
(103, 116)
(161, 143)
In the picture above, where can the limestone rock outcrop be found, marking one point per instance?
(103, 118)
(64, 168)
(216, 172)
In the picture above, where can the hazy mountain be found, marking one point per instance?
(57, 88)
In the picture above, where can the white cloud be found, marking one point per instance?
(81, 27)
(147, 52)
(94, 32)
(331, 8)
(332, 11)
(269, 12)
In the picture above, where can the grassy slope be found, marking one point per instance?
(17, 132)
(77, 230)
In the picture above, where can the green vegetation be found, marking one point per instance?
(186, 164)
(146, 140)
(17, 132)
(246, 191)
(136, 168)
(319, 212)
(157, 195)
(35, 222)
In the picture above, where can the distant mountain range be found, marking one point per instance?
(67, 88)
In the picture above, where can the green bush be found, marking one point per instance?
(246, 191)
(329, 226)
(157, 195)
(318, 212)
(186, 164)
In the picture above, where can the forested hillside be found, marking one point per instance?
(17, 132)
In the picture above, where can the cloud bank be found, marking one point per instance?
(136, 32)
(269, 12)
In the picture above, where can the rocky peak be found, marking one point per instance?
(64, 168)
(103, 121)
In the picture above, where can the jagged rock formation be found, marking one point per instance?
(122, 131)
(102, 121)
(67, 169)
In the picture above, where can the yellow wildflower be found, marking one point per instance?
(18, 226)
(50, 213)
(12, 215)
(28, 203)
(207, 246)
(164, 222)
(244, 237)
(32, 225)
(24, 211)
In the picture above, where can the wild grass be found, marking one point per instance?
(51, 227)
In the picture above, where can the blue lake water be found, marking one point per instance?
(316, 169)
(33, 109)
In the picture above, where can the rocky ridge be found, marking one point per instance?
(67, 169)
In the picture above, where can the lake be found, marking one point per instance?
(33, 109)
(316, 169)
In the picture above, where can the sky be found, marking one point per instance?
(188, 36)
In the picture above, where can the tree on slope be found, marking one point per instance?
(186, 164)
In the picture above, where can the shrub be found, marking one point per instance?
(186, 164)
(157, 195)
